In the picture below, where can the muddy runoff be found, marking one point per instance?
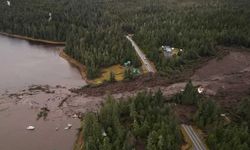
(20, 110)
(23, 64)
(27, 107)
(64, 106)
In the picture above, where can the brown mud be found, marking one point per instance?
(20, 109)
(139, 83)
(229, 76)
(227, 80)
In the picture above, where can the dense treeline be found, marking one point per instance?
(141, 122)
(230, 137)
(98, 49)
(195, 26)
(189, 96)
(93, 37)
(145, 122)
(224, 132)
(31, 18)
(243, 111)
(95, 29)
(207, 113)
(235, 135)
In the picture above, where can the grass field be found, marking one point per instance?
(118, 70)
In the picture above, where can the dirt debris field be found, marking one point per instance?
(226, 79)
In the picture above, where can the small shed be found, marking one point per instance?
(167, 51)
(8, 3)
(170, 51)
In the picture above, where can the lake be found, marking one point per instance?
(23, 64)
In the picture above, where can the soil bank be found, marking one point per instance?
(32, 39)
(77, 64)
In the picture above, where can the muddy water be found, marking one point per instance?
(21, 65)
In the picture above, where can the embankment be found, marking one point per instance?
(32, 39)
(81, 67)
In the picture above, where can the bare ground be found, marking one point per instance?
(226, 79)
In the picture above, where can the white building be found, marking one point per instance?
(8, 3)
(50, 16)
(167, 51)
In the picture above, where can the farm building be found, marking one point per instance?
(170, 51)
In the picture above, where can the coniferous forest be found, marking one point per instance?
(147, 121)
(95, 29)
(142, 122)
(94, 32)
(222, 133)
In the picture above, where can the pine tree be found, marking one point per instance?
(112, 77)
(207, 113)
(151, 145)
(106, 144)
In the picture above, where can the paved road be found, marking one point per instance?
(197, 143)
(142, 56)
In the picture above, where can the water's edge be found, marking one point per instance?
(58, 43)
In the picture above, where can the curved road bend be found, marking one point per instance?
(144, 60)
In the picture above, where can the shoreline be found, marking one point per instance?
(81, 68)
(78, 65)
(32, 39)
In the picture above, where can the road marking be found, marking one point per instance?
(198, 145)
(197, 137)
(195, 143)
